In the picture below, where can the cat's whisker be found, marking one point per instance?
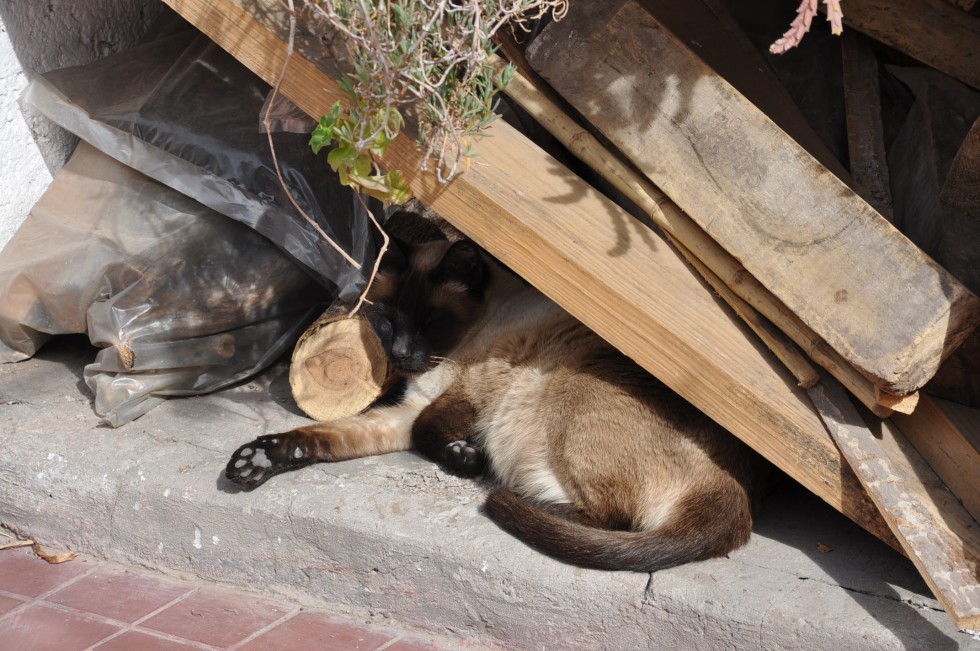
(448, 361)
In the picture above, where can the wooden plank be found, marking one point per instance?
(958, 379)
(726, 274)
(829, 257)
(709, 30)
(945, 435)
(865, 134)
(933, 31)
(613, 273)
(927, 171)
(940, 536)
(965, 419)
(961, 190)
(965, 5)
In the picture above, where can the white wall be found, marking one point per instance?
(37, 36)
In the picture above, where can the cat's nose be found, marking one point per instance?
(400, 348)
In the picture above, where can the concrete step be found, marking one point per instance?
(395, 536)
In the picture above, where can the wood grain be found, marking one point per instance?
(724, 273)
(961, 189)
(939, 535)
(873, 296)
(935, 32)
(708, 29)
(616, 275)
(338, 368)
(865, 134)
(945, 434)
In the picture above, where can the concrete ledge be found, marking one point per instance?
(395, 536)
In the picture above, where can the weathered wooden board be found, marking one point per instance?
(945, 435)
(933, 31)
(865, 134)
(924, 153)
(708, 29)
(965, 5)
(609, 270)
(939, 535)
(961, 190)
(842, 268)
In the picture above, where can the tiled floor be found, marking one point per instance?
(85, 604)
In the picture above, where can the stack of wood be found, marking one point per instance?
(715, 152)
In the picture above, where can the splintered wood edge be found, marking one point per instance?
(901, 404)
(538, 218)
(934, 529)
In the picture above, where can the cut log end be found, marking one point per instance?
(338, 369)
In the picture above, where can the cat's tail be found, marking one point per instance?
(703, 529)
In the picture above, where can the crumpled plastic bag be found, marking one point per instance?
(183, 111)
(181, 299)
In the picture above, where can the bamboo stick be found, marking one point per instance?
(806, 376)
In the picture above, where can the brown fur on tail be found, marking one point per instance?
(706, 527)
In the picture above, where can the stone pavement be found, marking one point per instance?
(394, 539)
(88, 604)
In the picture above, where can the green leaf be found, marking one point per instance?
(380, 144)
(323, 134)
(346, 85)
(342, 156)
(362, 165)
(320, 138)
(400, 192)
(506, 75)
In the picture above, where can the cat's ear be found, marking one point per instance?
(462, 263)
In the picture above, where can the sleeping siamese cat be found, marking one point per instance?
(598, 464)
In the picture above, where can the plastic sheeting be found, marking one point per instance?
(184, 112)
(181, 299)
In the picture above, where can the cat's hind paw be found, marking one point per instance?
(463, 458)
(254, 463)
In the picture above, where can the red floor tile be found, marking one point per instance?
(216, 617)
(8, 603)
(411, 644)
(39, 628)
(25, 574)
(118, 594)
(319, 632)
(133, 641)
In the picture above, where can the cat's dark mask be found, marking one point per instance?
(424, 299)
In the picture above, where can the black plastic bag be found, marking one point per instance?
(186, 113)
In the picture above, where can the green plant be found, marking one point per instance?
(428, 60)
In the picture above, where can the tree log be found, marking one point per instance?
(339, 367)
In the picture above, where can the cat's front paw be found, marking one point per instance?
(463, 458)
(254, 463)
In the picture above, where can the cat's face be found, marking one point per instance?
(424, 299)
